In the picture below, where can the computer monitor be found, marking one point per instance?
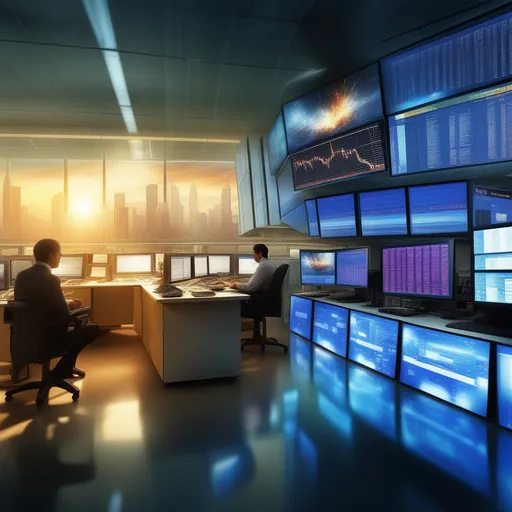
(352, 267)
(17, 265)
(491, 206)
(422, 270)
(301, 310)
(383, 212)
(246, 265)
(219, 264)
(330, 327)
(504, 356)
(98, 272)
(200, 266)
(159, 264)
(4, 274)
(337, 216)
(441, 208)
(312, 214)
(317, 268)
(71, 267)
(99, 259)
(450, 367)
(134, 264)
(177, 268)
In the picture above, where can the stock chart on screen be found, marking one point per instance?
(301, 310)
(459, 62)
(355, 154)
(337, 216)
(505, 386)
(317, 268)
(491, 206)
(277, 148)
(468, 130)
(314, 229)
(383, 212)
(450, 367)
(352, 267)
(439, 208)
(330, 328)
(422, 270)
(373, 342)
(346, 104)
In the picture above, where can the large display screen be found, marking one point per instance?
(421, 270)
(301, 310)
(73, 267)
(357, 153)
(181, 268)
(200, 266)
(314, 229)
(277, 147)
(491, 206)
(450, 367)
(505, 386)
(132, 263)
(337, 216)
(383, 212)
(339, 107)
(330, 328)
(317, 268)
(467, 130)
(219, 264)
(465, 60)
(352, 267)
(439, 208)
(373, 342)
(297, 219)
(247, 265)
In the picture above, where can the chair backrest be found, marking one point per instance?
(268, 303)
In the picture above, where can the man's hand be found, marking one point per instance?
(233, 285)
(74, 304)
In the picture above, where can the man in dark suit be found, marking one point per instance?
(39, 287)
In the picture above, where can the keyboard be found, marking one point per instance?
(398, 311)
(74, 282)
(481, 328)
(314, 294)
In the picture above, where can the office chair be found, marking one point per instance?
(262, 305)
(29, 344)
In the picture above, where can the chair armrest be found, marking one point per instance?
(79, 316)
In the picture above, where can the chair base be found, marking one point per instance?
(263, 342)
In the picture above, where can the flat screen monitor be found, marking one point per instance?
(181, 268)
(134, 264)
(441, 208)
(17, 266)
(337, 216)
(383, 212)
(352, 267)
(297, 219)
(373, 342)
(200, 266)
(312, 214)
(70, 267)
(458, 132)
(246, 265)
(4, 275)
(491, 206)
(219, 264)
(450, 367)
(424, 270)
(355, 154)
(100, 259)
(330, 327)
(346, 104)
(504, 355)
(317, 268)
(461, 61)
(301, 310)
(98, 272)
(277, 146)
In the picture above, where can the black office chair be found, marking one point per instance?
(29, 344)
(262, 305)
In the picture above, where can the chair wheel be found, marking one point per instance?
(8, 397)
(75, 396)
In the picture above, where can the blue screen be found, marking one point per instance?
(383, 212)
(314, 230)
(297, 219)
(505, 386)
(450, 367)
(339, 107)
(504, 471)
(373, 342)
(493, 287)
(317, 268)
(330, 328)
(337, 216)
(373, 398)
(491, 206)
(352, 267)
(465, 60)
(277, 148)
(452, 440)
(300, 357)
(438, 208)
(301, 310)
(468, 130)
(330, 375)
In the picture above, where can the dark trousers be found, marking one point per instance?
(249, 310)
(78, 339)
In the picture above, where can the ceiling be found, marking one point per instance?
(195, 69)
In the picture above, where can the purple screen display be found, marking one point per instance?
(417, 270)
(352, 267)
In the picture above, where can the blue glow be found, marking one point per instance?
(330, 375)
(312, 214)
(297, 219)
(300, 316)
(352, 267)
(317, 268)
(338, 418)
(383, 212)
(300, 356)
(277, 147)
(505, 386)
(330, 327)
(504, 470)
(337, 216)
(491, 206)
(308, 452)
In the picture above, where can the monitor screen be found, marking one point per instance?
(505, 386)
(98, 272)
(101, 259)
(352, 267)
(288, 197)
(334, 109)
(422, 270)
(357, 153)
(459, 132)
(467, 59)
(439, 208)
(133, 264)
(4, 269)
(200, 266)
(71, 267)
(491, 206)
(297, 219)
(219, 264)
(17, 266)
(277, 147)
(373, 342)
(383, 212)
(337, 216)
(246, 265)
(312, 214)
(181, 268)
(301, 310)
(317, 268)
(450, 367)
(330, 327)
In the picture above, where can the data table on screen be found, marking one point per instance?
(312, 214)
(330, 327)
(219, 264)
(301, 310)
(200, 266)
(337, 216)
(352, 267)
(383, 212)
(181, 268)
(491, 206)
(317, 268)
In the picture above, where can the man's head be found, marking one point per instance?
(47, 251)
(260, 251)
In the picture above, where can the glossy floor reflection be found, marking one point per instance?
(298, 432)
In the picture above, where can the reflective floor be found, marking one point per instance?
(298, 432)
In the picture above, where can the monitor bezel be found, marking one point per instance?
(17, 258)
(330, 304)
(318, 251)
(473, 221)
(311, 319)
(231, 269)
(151, 272)
(356, 215)
(317, 219)
(346, 249)
(84, 266)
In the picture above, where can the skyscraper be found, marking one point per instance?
(176, 211)
(151, 209)
(15, 222)
(6, 226)
(121, 217)
(57, 214)
(193, 209)
(226, 213)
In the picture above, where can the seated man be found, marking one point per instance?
(38, 286)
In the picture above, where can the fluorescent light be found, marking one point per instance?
(113, 137)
